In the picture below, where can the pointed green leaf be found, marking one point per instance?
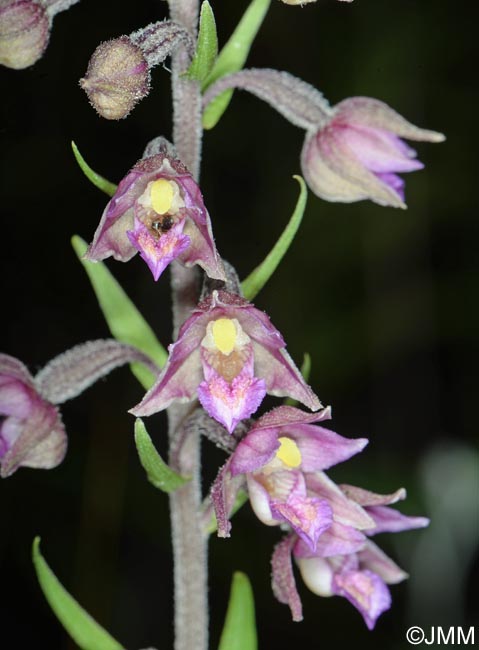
(93, 177)
(239, 631)
(157, 471)
(207, 45)
(233, 57)
(241, 499)
(82, 628)
(256, 280)
(305, 371)
(124, 320)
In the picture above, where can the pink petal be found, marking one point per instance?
(223, 496)
(367, 498)
(373, 558)
(283, 582)
(254, 451)
(308, 517)
(336, 540)
(158, 252)
(229, 403)
(345, 511)
(388, 520)
(379, 151)
(366, 591)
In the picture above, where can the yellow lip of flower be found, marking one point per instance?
(224, 335)
(161, 195)
(288, 453)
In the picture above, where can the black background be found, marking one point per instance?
(382, 299)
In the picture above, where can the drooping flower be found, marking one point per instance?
(275, 459)
(360, 572)
(352, 151)
(358, 153)
(228, 355)
(158, 211)
(31, 429)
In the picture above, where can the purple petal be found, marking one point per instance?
(321, 448)
(158, 252)
(16, 398)
(308, 517)
(10, 429)
(183, 372)
(373, 558)
(327, 183)
(336, 540)
(367, 498)
(41, 443)
(282, 377)
(283, 582)
(395, 182)
(202, 249)
(110, 237)
(282, 416)
(379, 151)
(231, 402)
(366, 591)
(272, 362)
(254, 451)
(15, 369)
(343, 161)
(277, 487)
(345, 511)
(388, 520)
(369, 112)
(223, 496)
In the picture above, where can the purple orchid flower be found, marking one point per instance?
(275, 458)
(158, 211)
(345, 562)
(228, 355)
(357, 153)
(31, 429)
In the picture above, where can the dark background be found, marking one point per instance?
(382, 299)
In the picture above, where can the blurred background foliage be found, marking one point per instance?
(381, 299)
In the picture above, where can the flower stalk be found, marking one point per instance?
(190, 544)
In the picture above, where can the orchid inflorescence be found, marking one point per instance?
(226, 355)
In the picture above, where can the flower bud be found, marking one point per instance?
(358, 153)
(117, 78)
(24, 33)
(118, 74)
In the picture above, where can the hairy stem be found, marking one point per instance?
(189, 542)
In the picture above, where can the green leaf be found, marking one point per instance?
(157, 471)
(93, 177)
(239, 631)
(305, 371)
(82, 628)
(207, 45)
(241, 499)
(124, 320)
(256, 280)
(233, 57)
